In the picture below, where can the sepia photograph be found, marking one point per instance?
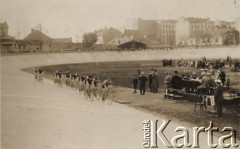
(119, 74)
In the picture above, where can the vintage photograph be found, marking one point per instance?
(120, 74)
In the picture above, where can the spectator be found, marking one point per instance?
(228, 84)
(211, 70)
(176, 81)
(150, 76)
(134, 84)
(203, 87)
(143, 80)
(211, 85)
(194, 75)
(167, 82)
(222, 76)
(218, 96)
(155, 81)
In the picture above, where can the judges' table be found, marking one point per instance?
(190, 85)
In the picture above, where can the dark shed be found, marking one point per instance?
(133, 44)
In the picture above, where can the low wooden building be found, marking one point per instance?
(133, 44)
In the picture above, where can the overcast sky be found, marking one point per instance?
(64, 18)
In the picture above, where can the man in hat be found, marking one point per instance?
(222, 76)
(142, 80)
(210, 84)
(204, 82)
(150, 76)
(176, 81)
(203, 72)
(155, 81)
(218, 96)
(134, 84)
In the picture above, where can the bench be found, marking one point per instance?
(173, 96)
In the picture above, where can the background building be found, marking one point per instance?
(6, 40)
(166, 33)
(193, 31)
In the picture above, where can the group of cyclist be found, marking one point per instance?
(74, 80)
(90, 86)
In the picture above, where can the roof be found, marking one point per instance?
(132, 41)
(118, 41)
(36, 35)
(167, 21)
(142, 39)
(7, 38)
(197, 20)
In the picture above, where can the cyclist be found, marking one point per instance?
(75, 80)
(40, 71)
(68, 77)
(83, 78)
(96, 82)
(36, 74)
(40, 75)
(90, 80)
(107, 83)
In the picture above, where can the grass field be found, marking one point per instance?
(121, 73)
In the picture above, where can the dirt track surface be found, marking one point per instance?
(42, 116)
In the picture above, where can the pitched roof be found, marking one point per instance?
(36, 35)
(130, 41)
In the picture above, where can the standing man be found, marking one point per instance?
(134, 84)
(176, 81)
(150, 76)
(155, 81)
(167, 82)
(218, 96)
(142, 80)
(222, 76)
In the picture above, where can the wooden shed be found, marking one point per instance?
(133, 44)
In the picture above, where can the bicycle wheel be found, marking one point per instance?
(111, 96)
(91, 96)
(98, 94)
(80, 90)
(85, 94)
(104, 96)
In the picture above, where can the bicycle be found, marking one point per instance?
(109, 94)
(88, 93)
(81, 88)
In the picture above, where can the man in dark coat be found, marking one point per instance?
(176, 81)
(142, 80)
(134, 84)
(218, 96)
(155, 81)
(222, 76)
(150, 76)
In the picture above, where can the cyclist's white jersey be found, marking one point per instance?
(107, 84)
